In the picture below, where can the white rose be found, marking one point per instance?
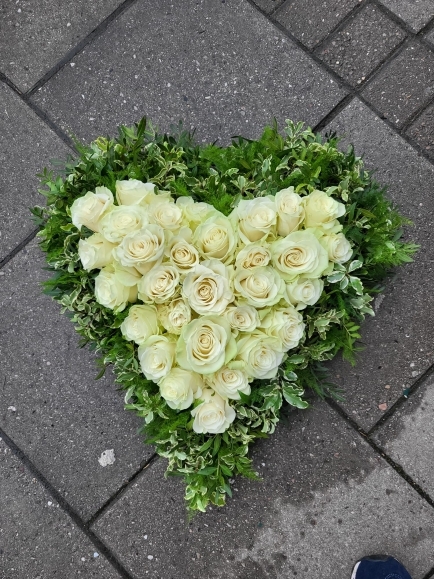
(180, 387)
(156, 356)
(286, 325)
(194, 212)
(165, 214)
(304, 292)
(89, 209)
(128, 276)
(182, 254)
(207, 290)
(261, 355)
(110, 292)
(260, 287)
(299, 253)
(338, 247)
(213, 415)
(321, 210)
(174, 315)
(253, 255)
(242, 318)
(290, 211)
(216, 238)
(140, 324)
(95, 252)
(256, 218)
(134, 192)
(159, 284)
(142, 249)
(205, 345)
(228, 383)
(120, 221)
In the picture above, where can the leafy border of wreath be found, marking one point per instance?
(220, 176)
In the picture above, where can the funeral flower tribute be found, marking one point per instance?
(216, 280)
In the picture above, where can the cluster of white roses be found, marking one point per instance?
(221, 296)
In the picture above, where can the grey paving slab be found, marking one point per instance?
(325, 499)
(417, 13)
(26, 146)
(222, 67)
(311, 21)
(34, 36)
(37, 539)
(403, 85)
(50, 404)
(356, 50)
(399, 340)
(408, 436)
(422, 130)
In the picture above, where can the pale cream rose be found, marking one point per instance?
(134, 192)
(95, 252)
(213, 415)
(140, 324)
(321, 210)
(261, 355)
(205, 345)
(216, 238)
(159, 284)
(166, 214)
(142, 249)
(89, 209)
(299, 253)
(207, 290)
(122, 220)
(182, 255)
(174, 315)
(180, 387)
(195, 212)
(242, 318)
(253, 255)
(128, 276)
(304, 292)
(256, 218)
(229, 382)
(290, 211)
(156, 356)
(338, 247)
(260, 287)
(110, 292)
(285, 324)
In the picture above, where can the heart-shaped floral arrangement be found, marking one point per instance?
(216, 280)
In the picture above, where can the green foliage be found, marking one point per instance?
(222, 176)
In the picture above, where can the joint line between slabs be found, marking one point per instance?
(41, 114)
(330, 116)
(382, 65)
(401, 400)
(7, 81)
(399, 21)
(352, 14)
(394, 465)
(275, 9)
(95, 33)
(66, 507)
(120, 491)
(51, 124)
(429, 574)
(18, 248)
(417, 114)
(427, 28)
